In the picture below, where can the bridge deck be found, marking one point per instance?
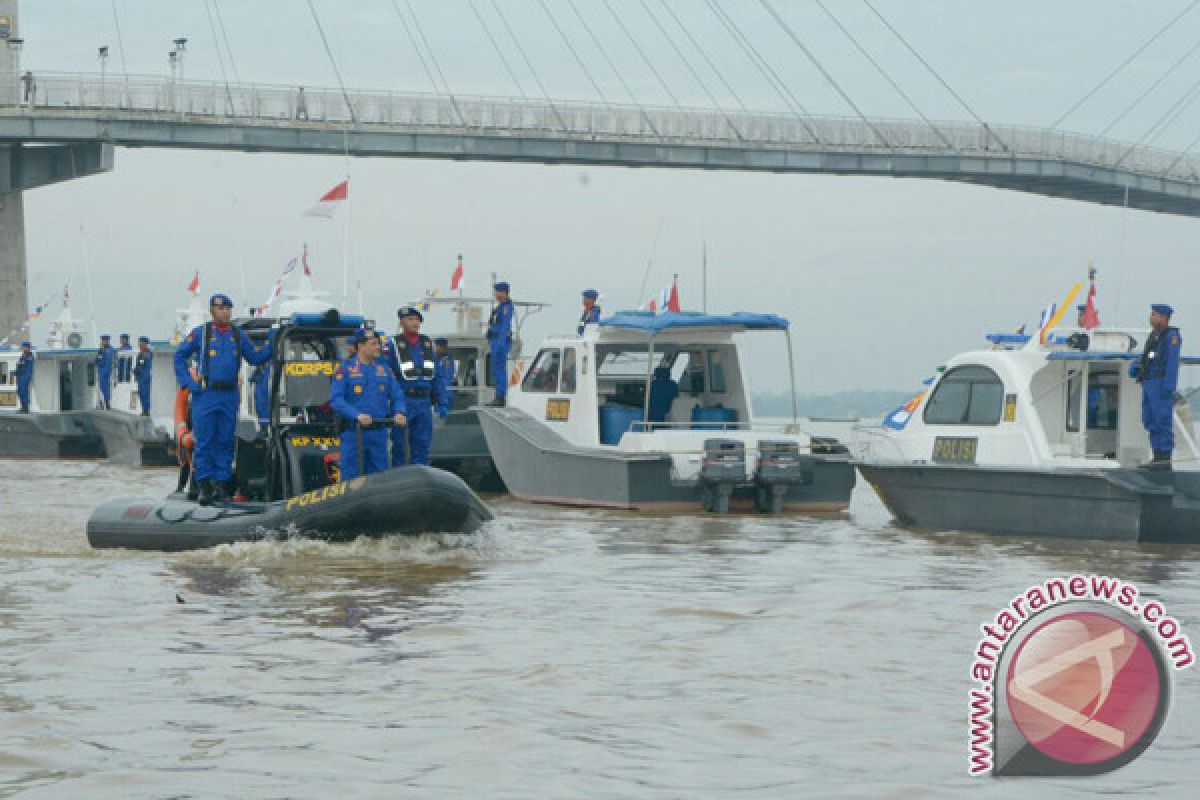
(156, 112)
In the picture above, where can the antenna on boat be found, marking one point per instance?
(87, 278)
(649, 263)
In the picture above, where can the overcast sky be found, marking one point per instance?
(882, 278)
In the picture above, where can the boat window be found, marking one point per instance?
(1101, 402)
(972, 395)
(626, 364)
(691, 377)
(465, 363)
(3, 372)
(543, 375)
(716, 372)
(568, 371)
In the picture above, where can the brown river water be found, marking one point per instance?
(559, 653)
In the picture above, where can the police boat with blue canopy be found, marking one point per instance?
(1041, 438)
(288, 478)
(652, 411)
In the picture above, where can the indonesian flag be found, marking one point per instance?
(456, 280)
(332, 202)
(668, 299)
(304, 260)
(275, 292)
(193, 287)
(1091, 317)
(649, 305)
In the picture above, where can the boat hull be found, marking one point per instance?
(459, 446)
(540, 466)
(132, 440)
(62, 434)
(406, 500)
(1105, 504)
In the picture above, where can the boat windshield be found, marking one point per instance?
(627, 363)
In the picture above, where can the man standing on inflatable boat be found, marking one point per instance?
(364, 390)
(218, 348)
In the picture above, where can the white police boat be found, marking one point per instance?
(589, 424)
(1038, 440)
(288, 482)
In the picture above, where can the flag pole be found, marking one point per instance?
(704, 277)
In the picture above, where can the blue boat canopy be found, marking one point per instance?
(651, 322)
(1008, 338)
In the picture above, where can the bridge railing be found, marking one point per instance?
(271, 104)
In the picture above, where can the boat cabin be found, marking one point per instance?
(63, 380)
(1027, 404)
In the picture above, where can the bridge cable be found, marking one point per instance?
(332, 62)
(433, 59)
(1123, 64)
(225, 36)
(704, 54)
(1164, 121)
(567, 41)
(120, 44)
(764, 67)
(821, 68)
(884, 74)
(529, 64)
(612, 65)
(487, 31)
(987, 128)
(212, 26)
(687, 63)
(1166, 74)
(416, 46)
(642, 53)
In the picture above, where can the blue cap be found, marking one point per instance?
(124, 335)
(220, 300)
(500, 286)
(1081, 308)
(362, 334)
(592, 293)
(410, 311)
(143, 339)
(442, 341)
(352, 338)
(104, 337)
(26, 344)
(1162, 308)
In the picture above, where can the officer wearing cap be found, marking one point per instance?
(1158, 373)
(410, 355)
(364, 390)
(591, 311)
(105, 356)
(141, 372)
(124, 365)
(499, 334)
(445, 368)
(24, 375)
(218, 348)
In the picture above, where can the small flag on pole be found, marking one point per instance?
(193, 287)
(332, 202)
(456, 280)
(1091, 317)
(304, 260)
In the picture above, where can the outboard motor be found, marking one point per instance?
(723, 468)
(779, 468)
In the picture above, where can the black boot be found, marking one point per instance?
(498, 402)
(220, 492)
(205, 494)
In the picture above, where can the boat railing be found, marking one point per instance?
(789, 428)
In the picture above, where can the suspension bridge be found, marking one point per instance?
(58, 126)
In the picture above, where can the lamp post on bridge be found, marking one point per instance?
(102, 54)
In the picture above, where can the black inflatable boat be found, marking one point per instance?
(406, 500)
(290, 474)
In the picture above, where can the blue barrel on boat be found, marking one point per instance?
(717, 416)
(615, 419)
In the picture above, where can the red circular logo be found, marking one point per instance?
(1084, 688)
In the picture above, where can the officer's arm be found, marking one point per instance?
(507, 319)
(255, 355)
(338, 400)
(187, 348)
(1174, 346)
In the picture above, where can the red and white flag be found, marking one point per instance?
(668, 298)
(1091, 317)
(332, 202)
(194, 286)
(304, 260)
(456, 280)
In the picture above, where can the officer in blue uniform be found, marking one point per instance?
(591, 311)
(663, 391)
(365, 390)
(499, 334)
(1158, 373)
(24, 375)
(410, 355)
(141, 372)
(105, 356)
(124, 366)
(218, 348)
(445, 368)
